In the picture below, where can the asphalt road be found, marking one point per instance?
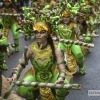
(90, 81)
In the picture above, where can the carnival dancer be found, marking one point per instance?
(9, 21)
(48, 65)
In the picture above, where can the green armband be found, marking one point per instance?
(16, 71)
(62, 74)
(21, 63)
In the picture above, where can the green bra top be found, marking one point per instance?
(43, 71)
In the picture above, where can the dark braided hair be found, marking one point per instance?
(50, 42)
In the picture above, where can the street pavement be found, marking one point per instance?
(89, 81)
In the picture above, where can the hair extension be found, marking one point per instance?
(50, 42)
(84, 23)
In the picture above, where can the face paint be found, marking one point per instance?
(41, 36)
